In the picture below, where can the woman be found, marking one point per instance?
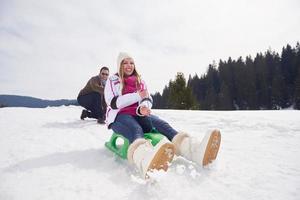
(129, 114)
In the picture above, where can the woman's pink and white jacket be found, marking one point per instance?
(116, 101)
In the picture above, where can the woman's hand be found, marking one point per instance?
(143, 93)
(145, 111)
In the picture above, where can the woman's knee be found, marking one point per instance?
(159, 122)
(128, 127)
(137, 130)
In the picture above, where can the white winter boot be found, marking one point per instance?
(203, 152)
(146, 157)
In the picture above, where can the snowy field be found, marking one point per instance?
(51, 154)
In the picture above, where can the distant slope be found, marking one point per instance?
(31, 102)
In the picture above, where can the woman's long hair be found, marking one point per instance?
(135, 73)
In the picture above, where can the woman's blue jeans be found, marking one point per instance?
(134, 127)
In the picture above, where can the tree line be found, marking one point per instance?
(268, 81)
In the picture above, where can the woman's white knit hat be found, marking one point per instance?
(121, 57)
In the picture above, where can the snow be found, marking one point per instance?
(51, 154)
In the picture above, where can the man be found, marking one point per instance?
(91, 97)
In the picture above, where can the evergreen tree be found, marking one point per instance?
(260, 68)
(213, 84)
(275, 82)
(297, 91)
(241, 84)
(181, 96)
(249, 88)
(157, 101)
(228, 77)
(289, 72)
(166, 97)
(225, 101)
(297, 82)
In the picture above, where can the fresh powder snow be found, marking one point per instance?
(51, 154)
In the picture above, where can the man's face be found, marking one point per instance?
(104, 74)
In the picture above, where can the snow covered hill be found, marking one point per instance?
(50, 154)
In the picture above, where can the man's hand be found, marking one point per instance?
(145, 111)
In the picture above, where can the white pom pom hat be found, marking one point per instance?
(121, 57)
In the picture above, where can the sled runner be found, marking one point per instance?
(121, 149)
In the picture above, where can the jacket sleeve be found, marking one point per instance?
(116, 101)
(94, 84)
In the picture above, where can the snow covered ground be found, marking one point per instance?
(51, 154)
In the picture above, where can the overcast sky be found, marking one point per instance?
(49, 49)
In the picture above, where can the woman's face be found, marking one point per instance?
(128, 66)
